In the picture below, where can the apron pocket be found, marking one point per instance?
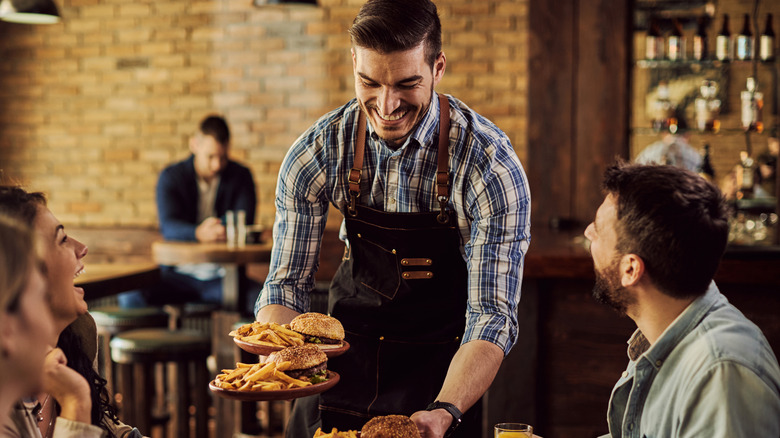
(375, 268)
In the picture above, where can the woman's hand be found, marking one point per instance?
(67, 386)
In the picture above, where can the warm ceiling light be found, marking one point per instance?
(29, 11)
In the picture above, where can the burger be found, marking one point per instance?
(307, 362)
(318, 328)
(390, 426)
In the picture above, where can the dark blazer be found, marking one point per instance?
(177, 197)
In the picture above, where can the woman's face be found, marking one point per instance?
(63, 258)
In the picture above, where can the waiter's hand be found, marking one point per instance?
(211, 230)
(432, 424)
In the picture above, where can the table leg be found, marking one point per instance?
(224, 353)
(230, 287)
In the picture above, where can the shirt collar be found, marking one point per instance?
(686, 322)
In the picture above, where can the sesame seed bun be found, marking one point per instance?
(390, 426)
(300, 357)
(318, 325)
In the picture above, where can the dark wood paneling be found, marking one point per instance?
(550, 102)
(601, 116)
(578, 103)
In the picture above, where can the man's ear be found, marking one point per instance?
(194, 143)
(439, 66)
(632, 269)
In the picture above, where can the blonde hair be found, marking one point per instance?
(17, 256)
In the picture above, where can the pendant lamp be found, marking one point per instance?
(29, 11)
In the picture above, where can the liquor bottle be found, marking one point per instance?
(654, 42)
(767, 50)
(706, 170)
(752, 103)
(707, 107)
(700, 40)
(745, 40)
(676, 46)
(664, 110)
(745, 173)
(723, 45)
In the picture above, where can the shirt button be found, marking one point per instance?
(392, 200)
(658, 363)
(630, 426)
(625, 374)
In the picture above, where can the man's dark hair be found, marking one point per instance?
(389, 26)
(673, 219)
(216, 127)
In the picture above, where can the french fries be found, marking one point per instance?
(268, 376)
(268, 334)
(335, 434)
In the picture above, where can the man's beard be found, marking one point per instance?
(609, 291)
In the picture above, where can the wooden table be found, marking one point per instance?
(177, 253)
(100, 280)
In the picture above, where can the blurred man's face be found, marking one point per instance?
(395, 89)
(210, 156)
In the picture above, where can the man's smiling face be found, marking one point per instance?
(395, 89)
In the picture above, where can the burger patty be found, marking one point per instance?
(320, 339)
(307, 373)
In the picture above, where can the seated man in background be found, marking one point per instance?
(193, 197)
(697, 366)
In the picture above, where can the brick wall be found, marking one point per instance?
(92, 108)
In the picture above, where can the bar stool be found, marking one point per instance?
(136, 352)
(112, 320)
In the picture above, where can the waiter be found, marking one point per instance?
(437, 223)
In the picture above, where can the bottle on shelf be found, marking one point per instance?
(752, 103)
(723, 44)
(676, 43)
(700, 40)
(745, 173)
(664, 111)
(707, 108)
(744, 49)
(705, 169)
(654, 42)
(767, 44)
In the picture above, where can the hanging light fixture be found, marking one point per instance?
(29, 11)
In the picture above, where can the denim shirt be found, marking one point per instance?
(711, 374)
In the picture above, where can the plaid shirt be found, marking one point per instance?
(488, 192)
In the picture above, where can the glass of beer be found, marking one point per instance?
(513, 430)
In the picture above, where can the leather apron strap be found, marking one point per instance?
(442, 164)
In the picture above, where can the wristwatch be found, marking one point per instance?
(452, 409)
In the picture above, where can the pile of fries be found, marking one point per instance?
(335, 434)
(268, 334)
(268, 376)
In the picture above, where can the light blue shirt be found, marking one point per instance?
(711, 374)
(488, 193)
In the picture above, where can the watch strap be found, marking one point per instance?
(452, 409)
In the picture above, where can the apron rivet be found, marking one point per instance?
(428, 274)
(381, 338)
(404, 262)
(393, 251)
(360, 235)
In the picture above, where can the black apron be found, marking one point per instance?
(401, 295)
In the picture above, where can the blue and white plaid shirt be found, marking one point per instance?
(488, 191)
